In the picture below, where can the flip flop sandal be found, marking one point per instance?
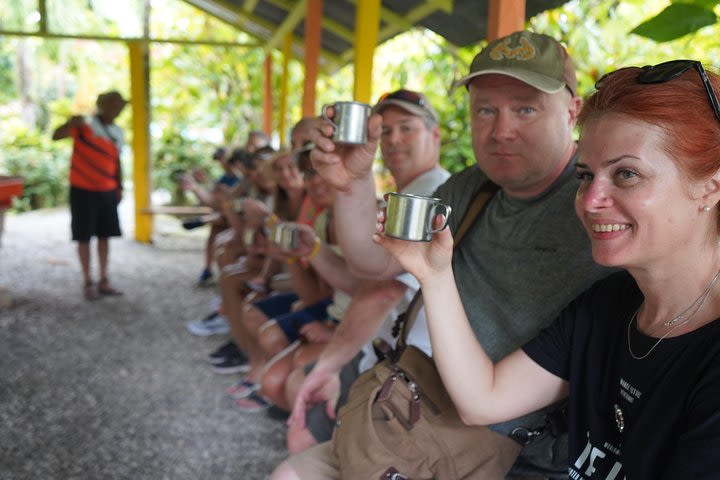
(253, 403)
(104, 288)
(243, 389)
(90, 292)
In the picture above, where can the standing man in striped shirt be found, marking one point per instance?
(95, 185)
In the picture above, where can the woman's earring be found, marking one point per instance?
(706, 208)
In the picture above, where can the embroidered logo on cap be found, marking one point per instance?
(525, 51)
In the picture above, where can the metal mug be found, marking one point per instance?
(286, 236)
(350, 122)
(410, 217)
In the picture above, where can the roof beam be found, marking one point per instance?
(250, 5)
(232, 15)
(397, 23)
(329, 24)
(293, 18)
(107, 38)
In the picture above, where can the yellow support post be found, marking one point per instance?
(367, 23)
(282, 121)
(139, 97)
(267, 96)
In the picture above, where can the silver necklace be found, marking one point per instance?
(675, 322)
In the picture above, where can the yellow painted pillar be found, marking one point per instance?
(504, 18)
(139, 101)
(282, 108)
(367, 23)
(313, 36)
(267, 96)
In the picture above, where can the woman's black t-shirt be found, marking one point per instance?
(655, 418)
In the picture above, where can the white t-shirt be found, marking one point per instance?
(424, 184)
(109, 130)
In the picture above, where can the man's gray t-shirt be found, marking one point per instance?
(520, 263)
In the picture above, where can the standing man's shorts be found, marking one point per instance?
(94, 214)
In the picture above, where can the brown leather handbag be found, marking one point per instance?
(399, 421)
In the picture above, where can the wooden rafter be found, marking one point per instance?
(250, 5)
(397, 23)
(293, 18)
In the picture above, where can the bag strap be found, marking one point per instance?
(405, 321)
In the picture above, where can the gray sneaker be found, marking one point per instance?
(213, 324)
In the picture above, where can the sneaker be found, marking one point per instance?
(229, 349)
(205, 279)
(213, 324)
(238, 364)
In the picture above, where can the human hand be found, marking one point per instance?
(76, 121)
(340, 164)
(319, 385)
(306, 237)
(187, 182)
(255, 212)
(200, 175)
(316, 332)
(421, 259)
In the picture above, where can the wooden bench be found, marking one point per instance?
(176, 210)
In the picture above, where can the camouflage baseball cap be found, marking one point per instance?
(533, 58)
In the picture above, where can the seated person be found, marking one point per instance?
(642, 344)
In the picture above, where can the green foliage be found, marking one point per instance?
(677, 20)
(42, 163)
(176, 156)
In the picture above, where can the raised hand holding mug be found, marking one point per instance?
(350, 122)
(410, 217)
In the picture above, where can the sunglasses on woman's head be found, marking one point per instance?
(404, 95)
(666, 71)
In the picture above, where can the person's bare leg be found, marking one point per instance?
(104, 286)
(275, 375)
(272, 339)
(236, 305)
(103, 253)
(83, 249)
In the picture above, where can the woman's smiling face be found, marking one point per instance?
(637, 206)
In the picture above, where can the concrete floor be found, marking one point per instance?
(116, 389)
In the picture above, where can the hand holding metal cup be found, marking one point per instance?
(411, 217)
(350, 122)
(294, 241)
(412, 229)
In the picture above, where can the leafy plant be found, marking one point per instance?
(42, 164)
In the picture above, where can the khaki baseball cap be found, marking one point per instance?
(533, 58)
(412, 102)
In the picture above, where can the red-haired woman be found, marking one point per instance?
(638, 354)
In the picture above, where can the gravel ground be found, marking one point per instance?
(116, 389)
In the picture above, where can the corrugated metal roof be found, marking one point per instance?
(462, 22)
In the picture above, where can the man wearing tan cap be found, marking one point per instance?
(523, 259)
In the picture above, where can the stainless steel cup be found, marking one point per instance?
(410, 217)
(286, 236)
(350, 122)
